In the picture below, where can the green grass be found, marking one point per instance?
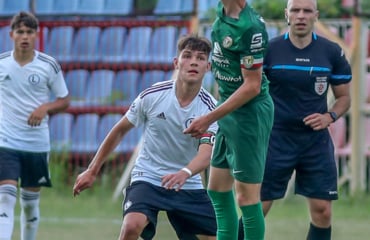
(94, 216)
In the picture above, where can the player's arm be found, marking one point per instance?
(342, 99)
(202, 160)
(39, 113)
(60, 104)
(318, 121)
(114, 137)
(198, 164)
(249, 89)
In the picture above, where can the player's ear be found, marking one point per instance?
(286, 16)
(176, 63)
(208, 66)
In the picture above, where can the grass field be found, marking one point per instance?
(94, 216)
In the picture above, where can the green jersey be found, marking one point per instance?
(237, 43)
(244, 133)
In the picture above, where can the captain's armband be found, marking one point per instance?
(207, 138)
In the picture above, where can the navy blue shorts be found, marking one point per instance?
(31, 168)
(311, 155)
(190, 212)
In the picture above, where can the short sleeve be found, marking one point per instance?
(341, 72)
(135, 114)
(253, 47)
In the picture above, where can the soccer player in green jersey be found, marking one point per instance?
(244, 114)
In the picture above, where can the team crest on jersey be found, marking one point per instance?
(34, 79)
(227, 42)
(188, 122)
(248, 61)
(321, 85)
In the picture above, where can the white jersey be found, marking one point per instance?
(22, 90)
(166, 149)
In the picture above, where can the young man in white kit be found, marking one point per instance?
(27, 77)
(166, 172)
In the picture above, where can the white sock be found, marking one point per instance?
(30, 214)
(8, 198)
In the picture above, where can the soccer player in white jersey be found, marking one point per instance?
(27, 77)
(166, 175)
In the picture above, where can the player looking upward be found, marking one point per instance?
(166, 172)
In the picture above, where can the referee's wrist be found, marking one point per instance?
(187, 170)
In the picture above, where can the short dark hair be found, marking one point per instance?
(25, 18)
(194, 42)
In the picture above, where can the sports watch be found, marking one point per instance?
(333, 116)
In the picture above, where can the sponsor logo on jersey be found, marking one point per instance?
(221, 77)
(302, 60)
(321, 85)
(218, 57)
(34, 79)
(256, 41)
(161, 116)
(227, 42)
(3, 215)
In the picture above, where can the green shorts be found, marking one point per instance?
(242, 141)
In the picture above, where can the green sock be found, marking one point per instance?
(226, 214)
(253, 221)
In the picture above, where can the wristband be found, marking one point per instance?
(187, 170)
(333, 116)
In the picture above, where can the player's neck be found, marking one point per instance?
(23, 57)
(232, 8)
(300, 41)
(185, 93)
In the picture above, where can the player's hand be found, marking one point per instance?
(197, 127)
(318, 121)
(174, 180)
(36, 116)
(83, 181)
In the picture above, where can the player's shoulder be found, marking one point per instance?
(323, 41)
(325, 44)
(5, 55)
(207, 99)
(157, 88)
(280, 39)
(49, 60)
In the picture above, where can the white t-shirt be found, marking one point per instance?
(22, 90)
(166, 149)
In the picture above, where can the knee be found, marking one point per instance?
(8, 195)
(321, 215)
(132, 228)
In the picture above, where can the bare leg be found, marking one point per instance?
(132, 226)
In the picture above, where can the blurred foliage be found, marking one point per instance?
(365, 6)
(270, 9)
(275, 9)
(144, 7)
